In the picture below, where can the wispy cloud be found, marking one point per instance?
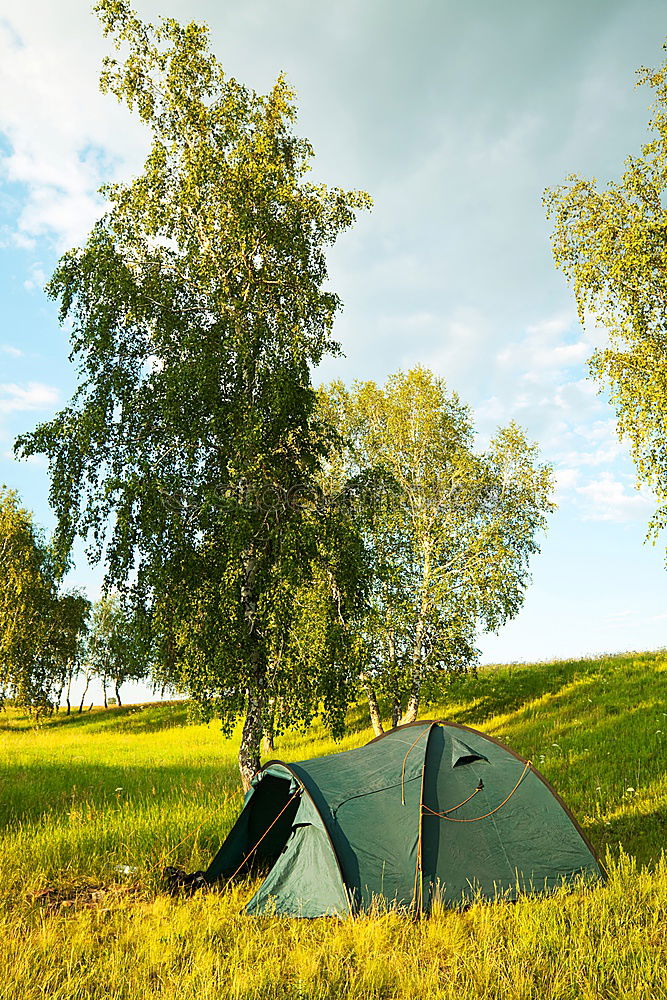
(37, 278)
(38, 461)
(539, 378)
(545, 346)
(33, 396)
(631, 618)
(609, 499)
(463, 339)
(64, 137)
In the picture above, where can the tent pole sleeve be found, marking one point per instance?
(418, 893)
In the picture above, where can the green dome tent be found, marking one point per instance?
(430, 810)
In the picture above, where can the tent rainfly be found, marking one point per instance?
(429, 811)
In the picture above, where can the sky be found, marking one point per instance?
(455, 118)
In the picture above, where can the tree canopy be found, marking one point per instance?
(449, 530)
(198, 305)
(610, 243)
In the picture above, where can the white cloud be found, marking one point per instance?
(37, 278)
(540, 380)
(607, 499)
(13, 352)
(566, 479)
(19, 239)
(592, 444)
(491, 411)
(551, 327)
(35, 396)
(576, 397)
(39, 461)
(542, 347)
(65, 137)
(620, 617)
(463, 339)
(631, 618)
(595, 333)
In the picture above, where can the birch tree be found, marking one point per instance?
(115, 651)
(450, 530)
(198, 306)
(609, 241)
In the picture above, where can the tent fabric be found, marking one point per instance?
(430, 811)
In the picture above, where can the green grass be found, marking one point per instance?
(93, 806)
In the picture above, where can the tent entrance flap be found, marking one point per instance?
(261, 831)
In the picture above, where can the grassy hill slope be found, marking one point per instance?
(93, 806)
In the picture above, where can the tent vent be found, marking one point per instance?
(463, 754)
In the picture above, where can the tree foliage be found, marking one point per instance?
(39, 626)
(115, 650)
(198, 306)
(610, 243)
(72, 618)
(449, 530)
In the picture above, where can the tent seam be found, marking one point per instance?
(373, 791)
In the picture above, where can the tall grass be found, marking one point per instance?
(93, 806)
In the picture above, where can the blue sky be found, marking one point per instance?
(454, 117)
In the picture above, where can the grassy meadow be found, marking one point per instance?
(93, 806)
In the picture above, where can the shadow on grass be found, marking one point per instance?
(29, 793)
(642, 835)
(472, 698)
(148, 718)
(497, 691)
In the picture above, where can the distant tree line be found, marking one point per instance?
(52, 639)
(40, 625)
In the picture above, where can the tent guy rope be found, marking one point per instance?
(475, 819)
(252, 850)
(412, 746)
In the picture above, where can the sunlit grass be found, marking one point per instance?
(92, 807)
